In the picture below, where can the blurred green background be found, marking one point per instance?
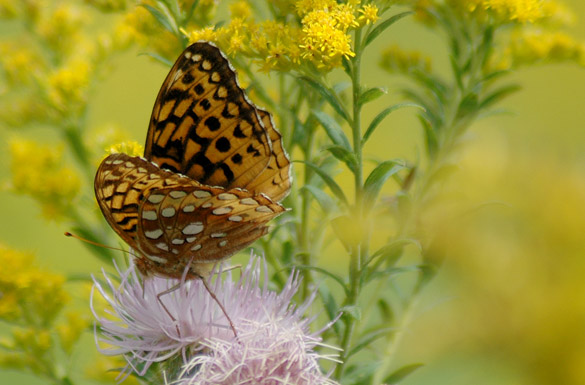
(509, 304)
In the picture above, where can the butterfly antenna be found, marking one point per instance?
(68, 234)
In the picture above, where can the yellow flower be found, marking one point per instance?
(37, 171)
(70, 331)
(323, 43)
(534, 47)
(140, 27)
(369, 14)
(306, 6)
(67, 85)
(344, 15)
(61, 28)
(108, 5)
(32, 295)
(522, 11)
(20, 63)
(240, 9)
(129, 147)
(394, 59)
(206, 34)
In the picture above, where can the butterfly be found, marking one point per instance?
(213, 172)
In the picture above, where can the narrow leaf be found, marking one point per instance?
(360, 374)
(378, 119)
(468, 106)
(346, 65)
(158, 58)
(353, 311)
(340, 87)
(401, 374)
(324, 200)
(335, 189)
(390, 250)
(377, 178)
(164, 7)
(498, 95)
(367, 339)
(383, 25)
(372, 94)
(335, 277)
(332, 128)
(330, 306)
(160, 17)
(344, 155)
(329, 96)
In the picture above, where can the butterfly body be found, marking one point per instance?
(213, 172)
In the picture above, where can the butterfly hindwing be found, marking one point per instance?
(173, 220)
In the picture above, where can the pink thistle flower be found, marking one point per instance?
(274, 352)
(191, 325)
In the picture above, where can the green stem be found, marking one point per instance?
(356, 252)
(304, 230)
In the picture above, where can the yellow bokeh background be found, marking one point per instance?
(508, 307)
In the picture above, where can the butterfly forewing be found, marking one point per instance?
(203, 125)
(274, 180)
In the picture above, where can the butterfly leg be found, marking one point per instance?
(220, 304)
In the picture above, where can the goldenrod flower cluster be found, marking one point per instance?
(33, 299)
(537, 46)
(395, 59)
(503, 11)
(38, 171)
(532, 28)
(130, 147)
(321, 39)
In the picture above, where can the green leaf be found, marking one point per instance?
(390, 250)
(377, 178)
(386, 311)
(324, 200)
(330, 306)
(427, 273)
(431, 139)
(329, 95)
(383, 25)
(360, 374)
(335, 189)
(162, 18)
(332, 128)
(371, 94)
(335, 277)
(498, 95)
(378, 119)
(174, 7)
(468, 105)
(353, 311)
(367, 339)
(344, 155)
(338, 88)
(494, 75)
(433, 84)
(346, 65)
(401, 374)
(158, 58)
(348, 231)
